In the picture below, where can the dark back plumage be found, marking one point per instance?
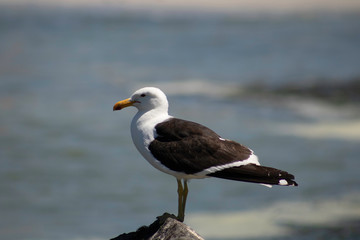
(182, 144)
(189, 147)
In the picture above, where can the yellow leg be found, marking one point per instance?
(182, 195)
(180, 201)
(185, 193)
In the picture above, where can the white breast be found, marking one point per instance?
(143, 133)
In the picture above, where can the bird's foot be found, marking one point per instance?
(180, 217)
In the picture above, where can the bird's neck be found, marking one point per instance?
(143, 126)
(150, 117)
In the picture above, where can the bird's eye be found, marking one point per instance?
(143, 95)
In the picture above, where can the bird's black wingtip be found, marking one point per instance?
(288, 182)
(295, 184)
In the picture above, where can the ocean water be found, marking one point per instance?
(68, 168)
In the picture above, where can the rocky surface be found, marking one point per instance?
(165, 227)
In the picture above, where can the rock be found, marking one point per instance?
(165, 227)
(174, 230)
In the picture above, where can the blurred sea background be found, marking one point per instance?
(283, 81)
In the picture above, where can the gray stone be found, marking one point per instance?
(165, 227)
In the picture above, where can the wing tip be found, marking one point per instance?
(288, 182)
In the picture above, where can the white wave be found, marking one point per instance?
(272, 221)
(196, 87)
(318, 109)
(343, 130)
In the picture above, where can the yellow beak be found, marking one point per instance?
(123, 104)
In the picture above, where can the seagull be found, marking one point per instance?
(189, 150)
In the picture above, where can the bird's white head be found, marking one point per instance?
(145, 99)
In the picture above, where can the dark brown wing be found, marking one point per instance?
(189, 147)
